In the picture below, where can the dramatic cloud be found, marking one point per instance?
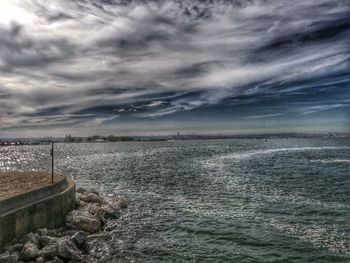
(90, 62)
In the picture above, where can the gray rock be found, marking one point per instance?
(33, 238)
(92, 190)
(50, 252)
(46, 240)
(79, 239)
(67, 249)
(82, 220)
(81, 190)
(58, 260)
(81, 204)
(15, 247)
(96, 210)
(29, 251)
(42, 231)
(103, 212)
(53, 233)
(55, 260)
(118, 202)
(93, 198)
(70, 232)
(109, 212)
(7, 258)
(99, 246)
(39, 260)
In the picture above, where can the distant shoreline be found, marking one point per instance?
(112, 138)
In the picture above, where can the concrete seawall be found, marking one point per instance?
(42, 208)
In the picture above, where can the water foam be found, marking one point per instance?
(331, 161)
(279, 150)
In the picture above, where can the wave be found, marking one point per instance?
(332, 238)
(249, 154)
(331, 161)
(296, 149)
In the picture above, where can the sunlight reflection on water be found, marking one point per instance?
(215, 200)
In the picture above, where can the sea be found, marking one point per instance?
(281, 200)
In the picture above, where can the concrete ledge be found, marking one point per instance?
(24, 199)
(42, 208)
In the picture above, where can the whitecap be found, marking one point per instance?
(331, 161)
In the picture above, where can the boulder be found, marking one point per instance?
(7, 258)
(67, 249)
(93, 198)
(99, 246)
(39, 260)
(95, 210)
(50, 252)
(109, 212)
(53, 233)
(81, 205)
(79, 239)
(46, 240)
(42, 232)
(55, 260)
(82, 220)
(81, 190)
(92, 190)
(70, 232)
(33, 238)
(29, 251)
(103, 212)
(15, 247)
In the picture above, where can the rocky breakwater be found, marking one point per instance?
(85, 237)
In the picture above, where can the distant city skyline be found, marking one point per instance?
(159, 67)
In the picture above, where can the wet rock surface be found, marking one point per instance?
(67, 249)
(84, 238)
(7, 258)
(29, 251)
(83, 220)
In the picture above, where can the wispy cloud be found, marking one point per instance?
(99, 121)
(263, 116)
(319, 108)
(155, 58)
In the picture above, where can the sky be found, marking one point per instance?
(133, 67)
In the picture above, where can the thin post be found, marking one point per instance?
(52, 160)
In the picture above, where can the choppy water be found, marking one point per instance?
(216, 201)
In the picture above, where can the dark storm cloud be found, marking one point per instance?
(92, 61)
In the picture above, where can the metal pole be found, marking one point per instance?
(52, 160)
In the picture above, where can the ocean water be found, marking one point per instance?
(284, 200)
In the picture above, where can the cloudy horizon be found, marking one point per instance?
(155, 67)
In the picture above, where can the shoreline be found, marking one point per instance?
(166, 138)
(84, 237)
